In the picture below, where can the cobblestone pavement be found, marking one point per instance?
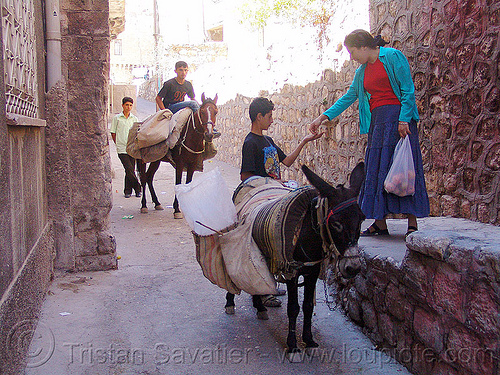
(157, 314)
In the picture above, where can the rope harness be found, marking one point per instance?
(323, 217)
(191, 119)
(329, 248)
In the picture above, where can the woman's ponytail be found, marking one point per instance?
(362, 38)
(379, 41)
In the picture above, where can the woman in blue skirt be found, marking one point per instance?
(387, 112)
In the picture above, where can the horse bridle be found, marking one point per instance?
(191, 119)
(323, 216)
(201, 121)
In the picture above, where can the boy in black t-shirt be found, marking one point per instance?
(260, 155)
(173, 92)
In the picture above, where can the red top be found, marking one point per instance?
(377, 84)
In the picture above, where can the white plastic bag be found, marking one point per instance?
(400, 179)
(206, 199)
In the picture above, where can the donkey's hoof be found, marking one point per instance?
(230, 310)
(262, 315)
(159, 207)
(144, 210)
(295, 355)
(178, 215)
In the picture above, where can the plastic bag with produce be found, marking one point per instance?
(400, 179)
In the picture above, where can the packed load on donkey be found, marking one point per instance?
(153, 138)
(293, 232)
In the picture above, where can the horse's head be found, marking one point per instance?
(342, 217)
(207, 115)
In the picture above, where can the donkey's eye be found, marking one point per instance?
(337, 225)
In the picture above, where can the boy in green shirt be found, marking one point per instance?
(120, 126)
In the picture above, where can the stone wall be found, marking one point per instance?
(331, 157)
(79, 172)
(26, 232)
(452, 47)
(453, 50)
(438, 311)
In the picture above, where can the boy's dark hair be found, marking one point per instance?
(362, 38)
(127, 99)
(260, 105)
(180, 64)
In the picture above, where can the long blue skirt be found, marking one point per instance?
(383, 136)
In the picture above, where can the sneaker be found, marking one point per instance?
(217, 133)
(280, 292)
(270, 301)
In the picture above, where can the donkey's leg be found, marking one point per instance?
(261, 310)
(293, 309)
(141, 166)
(229, 303)
(153, 167)
(308, 308)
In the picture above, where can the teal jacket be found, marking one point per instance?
(397, 68)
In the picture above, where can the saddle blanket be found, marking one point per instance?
(277, 214)
(261, 244)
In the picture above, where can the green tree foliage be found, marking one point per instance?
(315, 13)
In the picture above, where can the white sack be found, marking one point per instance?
(206, 199)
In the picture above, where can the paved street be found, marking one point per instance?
(157, 314)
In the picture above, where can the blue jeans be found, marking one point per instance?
(178, 106)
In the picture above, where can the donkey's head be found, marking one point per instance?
(344, 217)
(208, 114)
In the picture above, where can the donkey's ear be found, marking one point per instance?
(357, 177)
(202, 97)
(215, 99)
(324, 188)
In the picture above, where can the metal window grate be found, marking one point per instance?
(19, 41)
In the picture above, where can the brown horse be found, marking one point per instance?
(185, 155)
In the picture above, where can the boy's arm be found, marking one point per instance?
(288, 161)
(245, 175)
(159, 102)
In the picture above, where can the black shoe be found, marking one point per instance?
(128, 195)
(374, 230)
(138, 194)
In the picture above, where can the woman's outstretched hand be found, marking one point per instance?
(314, 126)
